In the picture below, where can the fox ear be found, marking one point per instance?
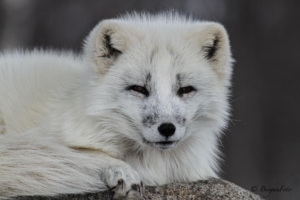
(215, 47)
(105, 44)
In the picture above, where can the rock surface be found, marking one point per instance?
(212, 189)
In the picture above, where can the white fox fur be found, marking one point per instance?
(72, 124)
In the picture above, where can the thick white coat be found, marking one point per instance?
(65, 119)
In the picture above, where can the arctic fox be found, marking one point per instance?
(145, 103)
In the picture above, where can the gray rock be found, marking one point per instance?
(212, 189)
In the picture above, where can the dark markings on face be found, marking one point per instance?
(178, 80)
(180, 120)
(148, 79)
(150, 120)
(147, 82)
(181, 78)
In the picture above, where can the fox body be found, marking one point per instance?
(145, 103)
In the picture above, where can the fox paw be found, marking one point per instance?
(125, 183)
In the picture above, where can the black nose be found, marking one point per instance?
(167, 129)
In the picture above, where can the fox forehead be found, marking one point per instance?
(162, 66)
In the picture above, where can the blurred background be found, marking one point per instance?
(262, 144)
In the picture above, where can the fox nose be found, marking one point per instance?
(166, 129)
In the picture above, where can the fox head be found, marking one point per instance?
(158, 80)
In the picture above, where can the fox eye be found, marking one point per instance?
(139, 89)
(185, 90)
